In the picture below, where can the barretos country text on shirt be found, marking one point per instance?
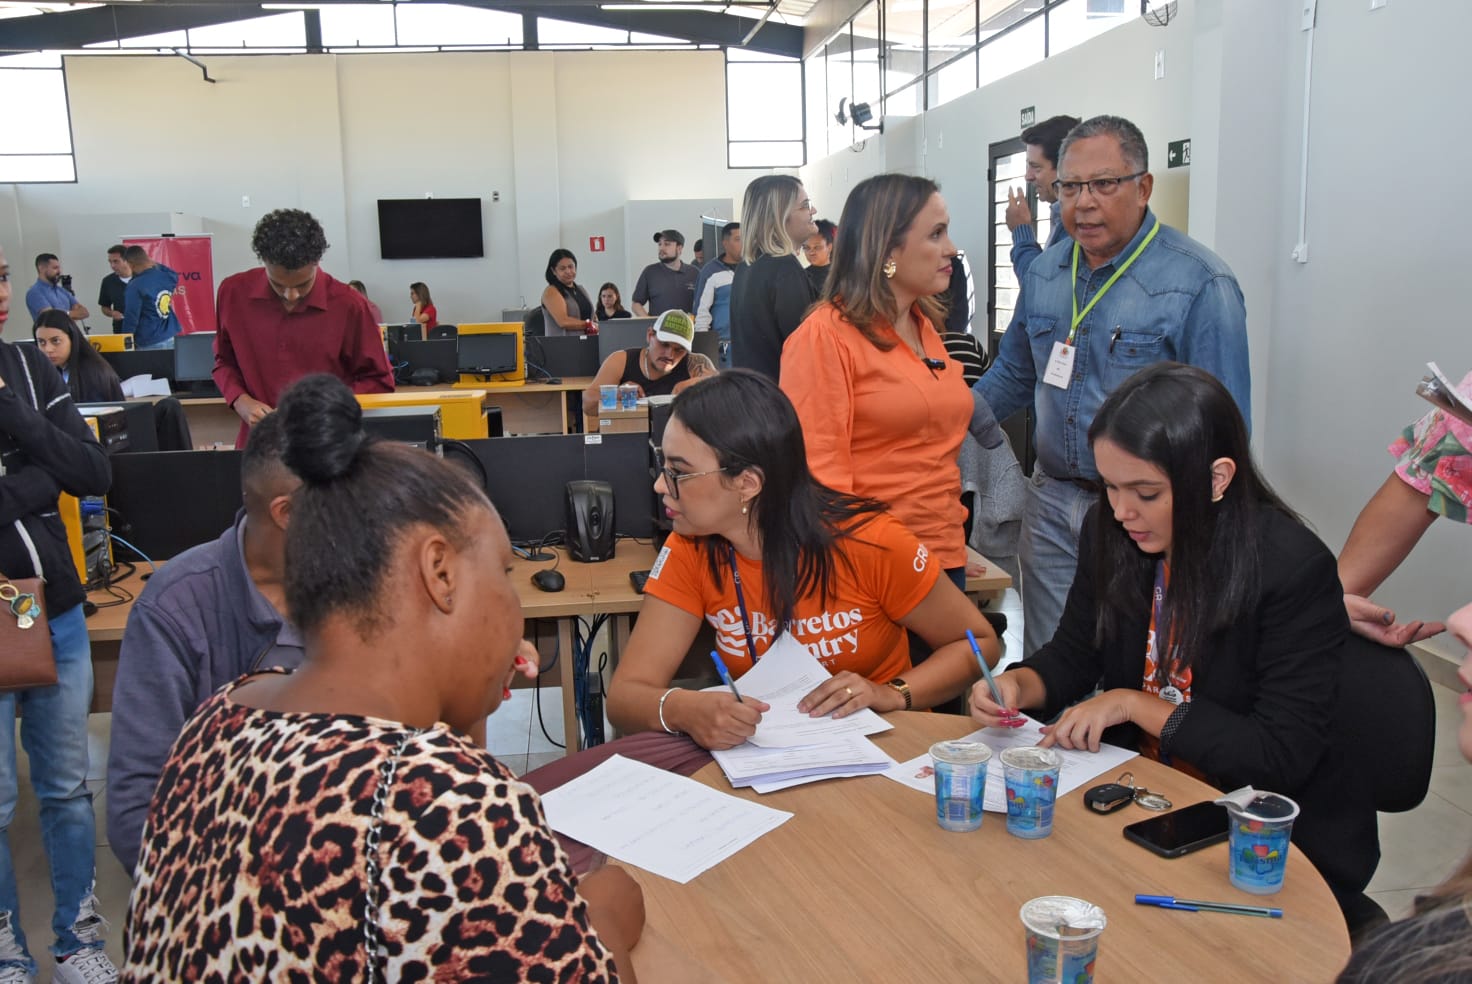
(827, 636)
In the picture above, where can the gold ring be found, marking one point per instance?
(849, 691)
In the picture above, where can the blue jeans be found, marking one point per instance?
(167, 343)
(54, 729)
(1052, 518)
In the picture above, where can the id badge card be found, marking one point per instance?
(1060, 365)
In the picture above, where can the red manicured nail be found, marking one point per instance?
(505, 693)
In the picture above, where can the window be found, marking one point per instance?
(1073, 22)
(764, 110)
(277, 32)
(36, 141)
(446, 24)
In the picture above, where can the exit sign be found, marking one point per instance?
(1029, 116)
(1178, 153)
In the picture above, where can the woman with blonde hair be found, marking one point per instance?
(771, 292)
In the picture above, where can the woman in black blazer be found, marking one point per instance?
(1189, 544)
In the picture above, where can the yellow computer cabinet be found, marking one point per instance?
(462, 411)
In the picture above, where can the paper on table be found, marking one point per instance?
(655, 820)
(1078, 767)
(854, 754)
(145, 385)
(781, 678)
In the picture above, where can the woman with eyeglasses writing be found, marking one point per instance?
(883, 410)
(760, 548)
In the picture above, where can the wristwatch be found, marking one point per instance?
(898, 683)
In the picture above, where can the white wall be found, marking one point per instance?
(566, 138)
(1338, 343)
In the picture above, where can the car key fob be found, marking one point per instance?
(1109, 797)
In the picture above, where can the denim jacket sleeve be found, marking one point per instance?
(1025, 249)
(1215, 338)
(1008, 385)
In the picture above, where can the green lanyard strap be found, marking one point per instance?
(1078, 316)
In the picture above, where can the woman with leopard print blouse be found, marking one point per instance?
(337, 823)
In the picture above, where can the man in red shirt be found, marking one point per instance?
(288, 319)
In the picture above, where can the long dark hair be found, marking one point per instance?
(876, 218)
(1181, 419)
(750, 423)
(89, 377)
(618, 298)
(558, 255)
(358, 496)
(422, 290)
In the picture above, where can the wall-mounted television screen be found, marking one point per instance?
(429, 228)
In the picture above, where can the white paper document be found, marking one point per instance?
(781, 678)
(1078, 767)
(145, 385)
(655, 820)
(766, 769)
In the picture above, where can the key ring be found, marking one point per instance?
(1143, 797)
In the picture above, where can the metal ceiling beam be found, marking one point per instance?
(78, 28)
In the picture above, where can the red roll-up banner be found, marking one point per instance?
(192, 258)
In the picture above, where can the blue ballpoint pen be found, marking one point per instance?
(1196, 905)
(985, 670)
(726, 676)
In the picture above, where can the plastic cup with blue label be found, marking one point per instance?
(1257, 839)
(1031, 775)
(1062, 939)
(960, 783)
(608, 397)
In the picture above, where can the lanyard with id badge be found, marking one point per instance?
(1060, 364)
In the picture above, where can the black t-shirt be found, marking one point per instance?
(664, 385)
(113, 291)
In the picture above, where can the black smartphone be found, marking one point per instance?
(637, 579)
(1181, 831)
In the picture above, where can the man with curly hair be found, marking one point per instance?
(288, 318)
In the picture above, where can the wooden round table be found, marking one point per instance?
(862, 885)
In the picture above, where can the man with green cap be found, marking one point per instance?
(663, 366)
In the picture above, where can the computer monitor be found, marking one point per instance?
(169, 501)
(563, 355)
(439, 355)
(194, 364)
(708, 344)
(394, 334)
(489, 354)
(622, 333)
(527, 477)
(158, 363)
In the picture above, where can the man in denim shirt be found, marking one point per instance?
(1074, 339)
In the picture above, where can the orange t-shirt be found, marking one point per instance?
(883, 424)
(889, 572)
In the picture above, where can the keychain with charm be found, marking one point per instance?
(21, 605)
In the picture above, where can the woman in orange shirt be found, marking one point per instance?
(883, 409)
(761, 548)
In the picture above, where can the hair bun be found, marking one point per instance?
(323, 424)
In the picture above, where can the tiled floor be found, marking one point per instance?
(1418, 848)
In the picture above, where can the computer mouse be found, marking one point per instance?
(549, 580)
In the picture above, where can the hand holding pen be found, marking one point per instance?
(714, 720)
(993, 699)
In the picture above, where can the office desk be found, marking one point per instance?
(862, 885)
(590, 590)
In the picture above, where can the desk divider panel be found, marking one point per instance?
(169, 501)
(527, 478)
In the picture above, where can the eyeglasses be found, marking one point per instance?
(806, 205)
(1101, 187)
(672, 478)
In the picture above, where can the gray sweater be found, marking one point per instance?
(199, 624)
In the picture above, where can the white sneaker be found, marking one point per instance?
(10, 951)
(89, 966)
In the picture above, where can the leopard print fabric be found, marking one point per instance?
(253, 860)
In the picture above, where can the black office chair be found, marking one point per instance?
(443, 331)
(533, 324)
(1381, 738)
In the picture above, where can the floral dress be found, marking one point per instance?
(1434, 457)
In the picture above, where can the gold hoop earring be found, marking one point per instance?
(889, 268)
